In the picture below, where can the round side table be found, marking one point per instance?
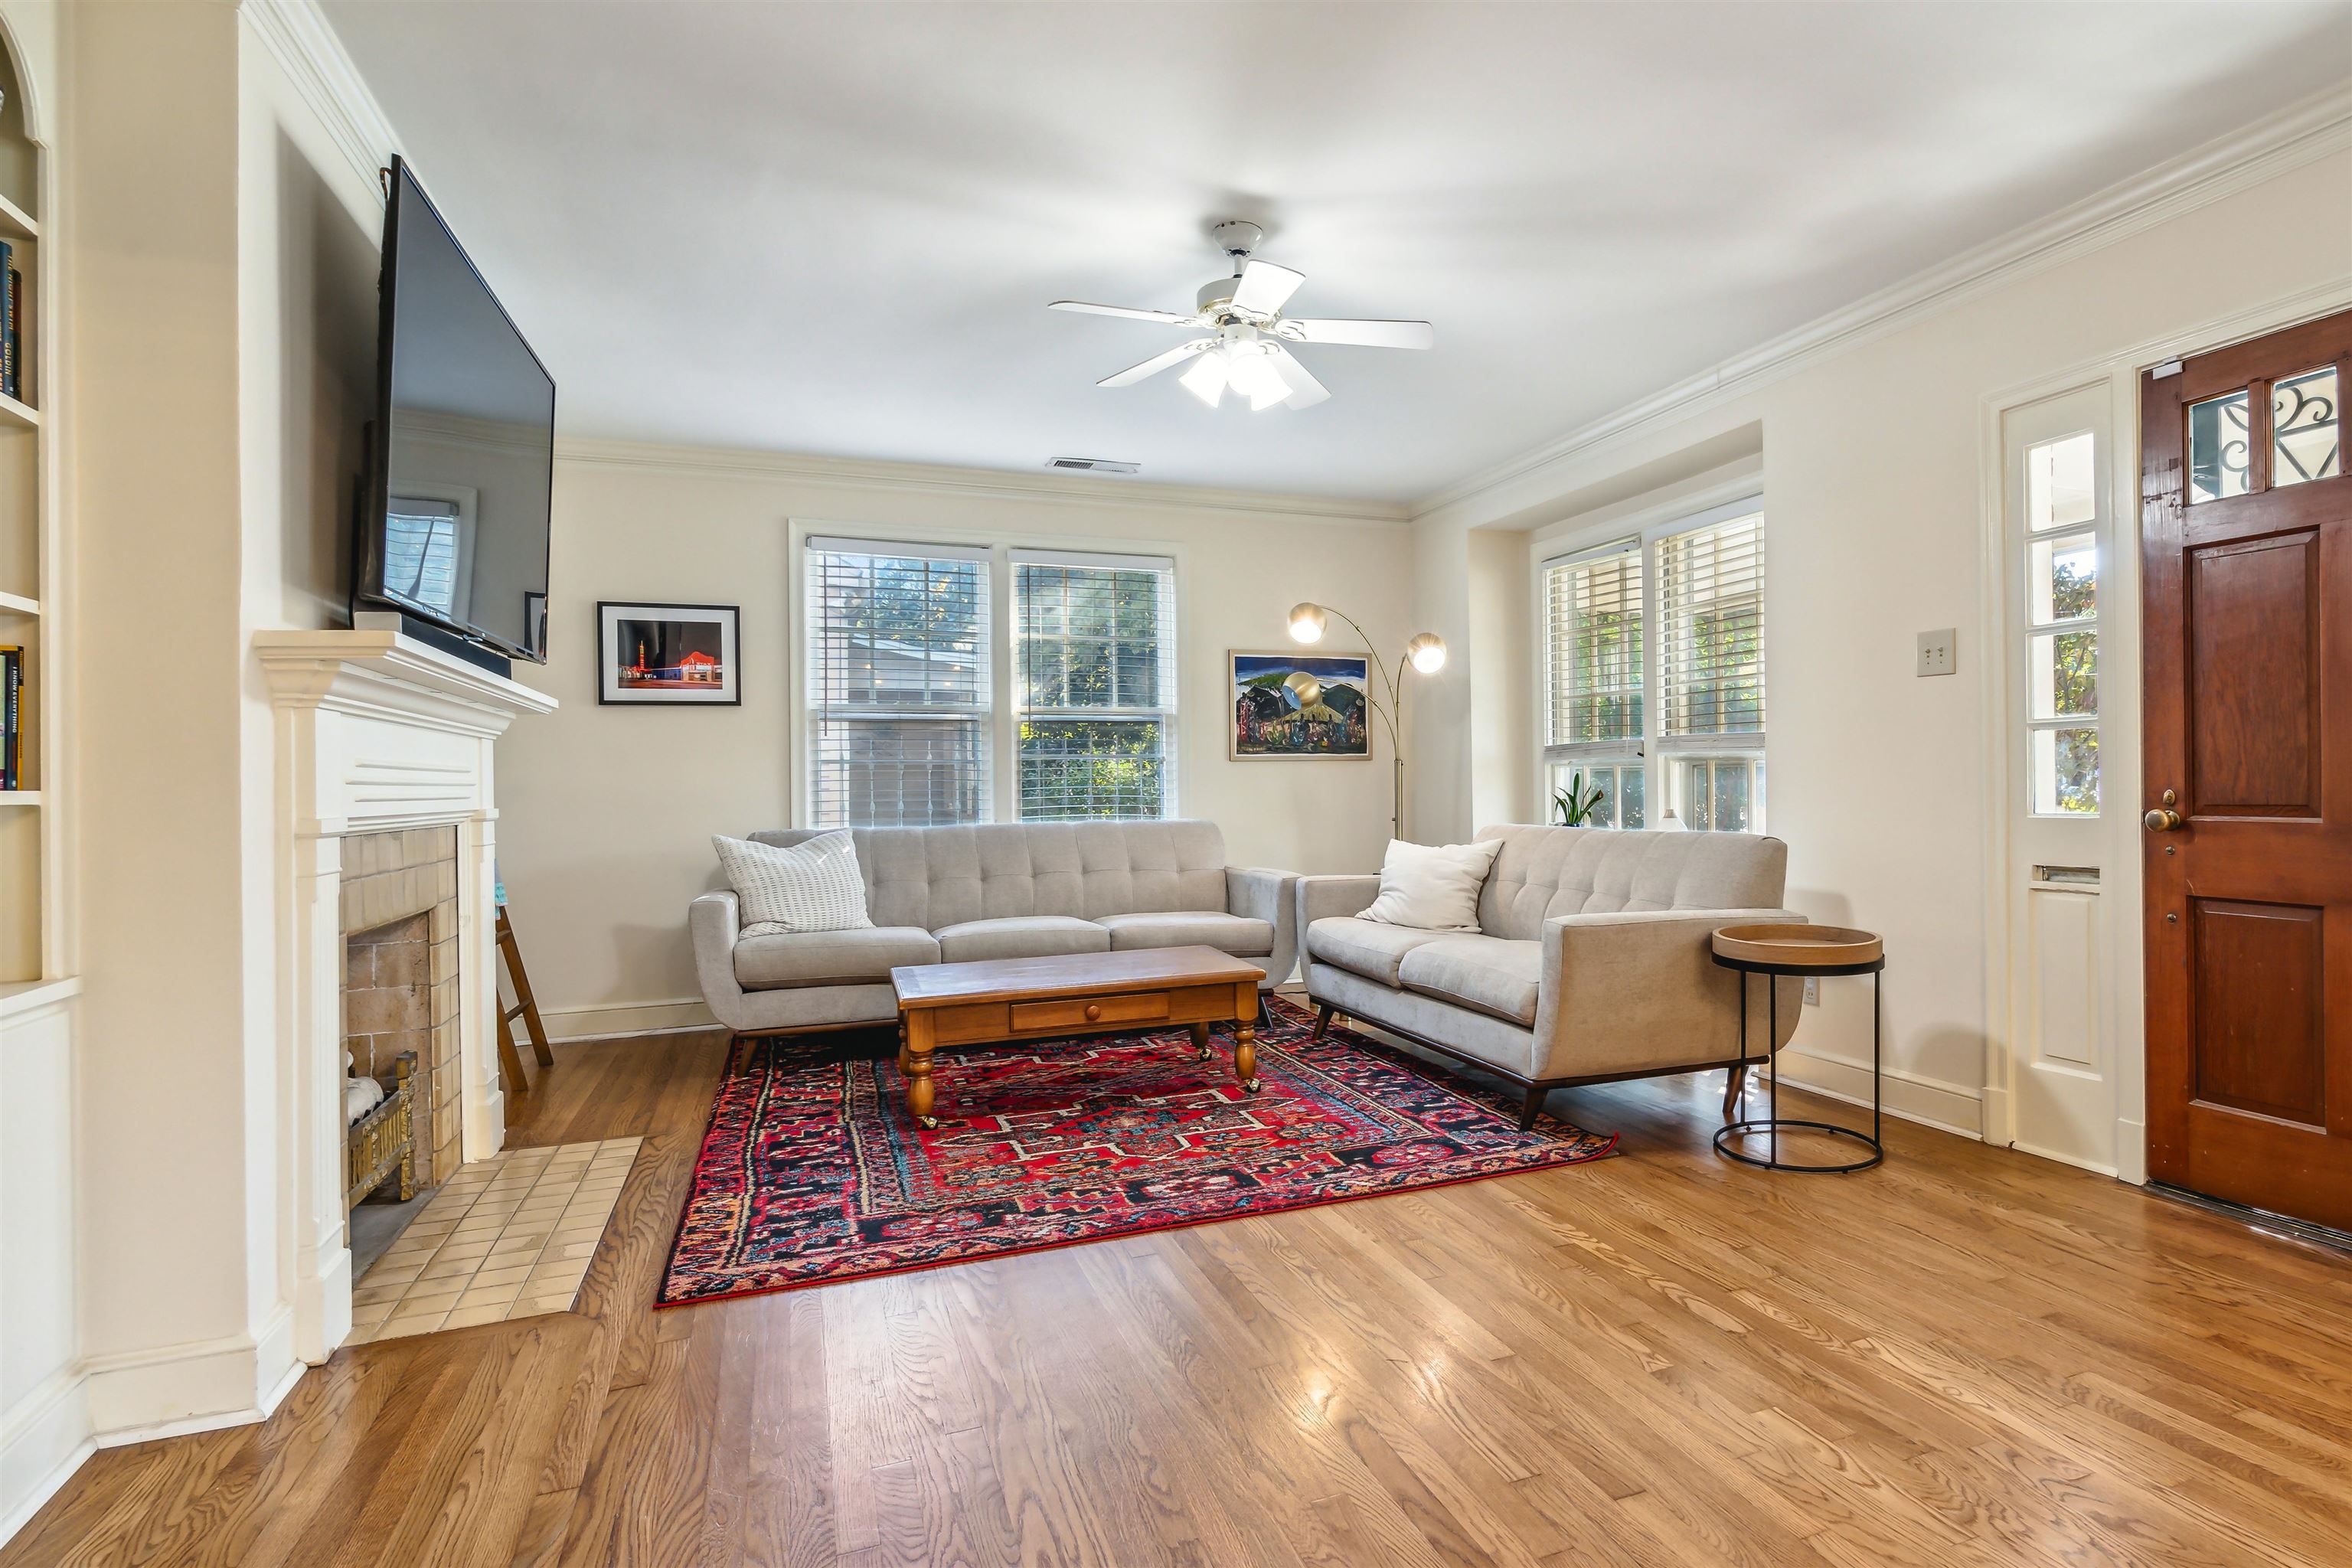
(1779, 952)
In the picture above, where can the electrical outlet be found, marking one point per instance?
(1812, 989)
(1935, 651)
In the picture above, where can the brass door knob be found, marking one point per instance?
(2162, 819)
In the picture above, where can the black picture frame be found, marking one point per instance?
(666, 655)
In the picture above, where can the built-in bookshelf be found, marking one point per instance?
(32, 924)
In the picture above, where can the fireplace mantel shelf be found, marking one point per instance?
(383, 673)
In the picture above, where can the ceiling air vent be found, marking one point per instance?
(1092, 465)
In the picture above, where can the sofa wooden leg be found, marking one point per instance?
(1529, 1106)
(1265, 1010)
(1323, 1011)
(1735, 1085)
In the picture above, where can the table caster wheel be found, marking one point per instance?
(1250, 1087)
(928, 1123)
(1202, 1056)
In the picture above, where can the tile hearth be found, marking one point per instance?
(509, 1237)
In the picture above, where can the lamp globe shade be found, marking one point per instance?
(1427, 652)
(1306, 622)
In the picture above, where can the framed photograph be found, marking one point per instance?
(1299, 705)
(668, 654)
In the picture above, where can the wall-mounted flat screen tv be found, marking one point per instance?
(454, 523)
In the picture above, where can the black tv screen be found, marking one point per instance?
(455, 528)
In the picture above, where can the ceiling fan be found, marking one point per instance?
(1246, 349)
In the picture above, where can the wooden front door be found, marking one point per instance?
(2247, 541)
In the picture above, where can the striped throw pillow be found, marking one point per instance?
(810, 886)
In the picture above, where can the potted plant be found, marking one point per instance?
(1575, 805)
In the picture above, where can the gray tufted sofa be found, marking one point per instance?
(993, 890)
(1592, 961)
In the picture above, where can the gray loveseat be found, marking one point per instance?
(1591, 962)
(995, 890)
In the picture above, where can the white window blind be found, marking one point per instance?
(898, 695)
(1094, 662)
(1593, 613)
(1711, 642)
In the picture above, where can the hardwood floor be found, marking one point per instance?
(1968, 1356)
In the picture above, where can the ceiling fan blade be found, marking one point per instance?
(1168, 316)
(1264, 288)
(1363, 334)
(1156, 363)
(1305, 392)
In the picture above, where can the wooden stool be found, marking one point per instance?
(511, 1073)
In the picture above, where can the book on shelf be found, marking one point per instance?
(11, 293)
(11, 284)
(12, 717)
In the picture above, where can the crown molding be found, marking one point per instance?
(1060, 489)
(2245, 158)
(297, 33)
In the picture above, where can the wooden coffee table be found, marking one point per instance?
(1051, 998)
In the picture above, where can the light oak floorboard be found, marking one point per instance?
(1967, 1357)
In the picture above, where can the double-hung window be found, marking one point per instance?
(1654, 666)
(1592, 614)
(901, 704)
(928, 663)
(1095, 673)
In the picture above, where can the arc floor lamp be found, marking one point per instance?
(1425, 653)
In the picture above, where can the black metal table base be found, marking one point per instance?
(1773, 1124)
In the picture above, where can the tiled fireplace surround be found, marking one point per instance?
(400, 977)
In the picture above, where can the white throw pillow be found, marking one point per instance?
(1433, 886)
(810, 886)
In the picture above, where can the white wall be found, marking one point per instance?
(1875, 486)
(607, 811)
(222, 300)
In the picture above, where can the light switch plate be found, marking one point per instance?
(1935, 651)
(1812, 989)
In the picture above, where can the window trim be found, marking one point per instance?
(998, 547)
(1658, 753)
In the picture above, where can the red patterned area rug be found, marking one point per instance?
(811, 1172)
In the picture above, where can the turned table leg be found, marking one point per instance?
(1245, 1057)
(1200, 1042)
(916, 1063)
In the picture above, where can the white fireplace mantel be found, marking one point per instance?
(375, 732)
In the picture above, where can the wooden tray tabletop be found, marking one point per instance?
(1799, 946)
(1076, 975)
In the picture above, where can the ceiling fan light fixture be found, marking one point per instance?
(1254, 375)
(1207, 377)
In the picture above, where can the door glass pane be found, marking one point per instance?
(2065, 673)
(2305, 429)
(2067, 773)
(2220, 448)
(2059, 483)
(2065, 578)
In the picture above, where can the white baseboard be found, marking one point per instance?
(610, 1020)
(198, 1386)
(43, 1439)
(1931, 1102)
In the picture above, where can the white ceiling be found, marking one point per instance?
(833, 229)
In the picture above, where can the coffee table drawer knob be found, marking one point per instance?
(1094, 1011)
